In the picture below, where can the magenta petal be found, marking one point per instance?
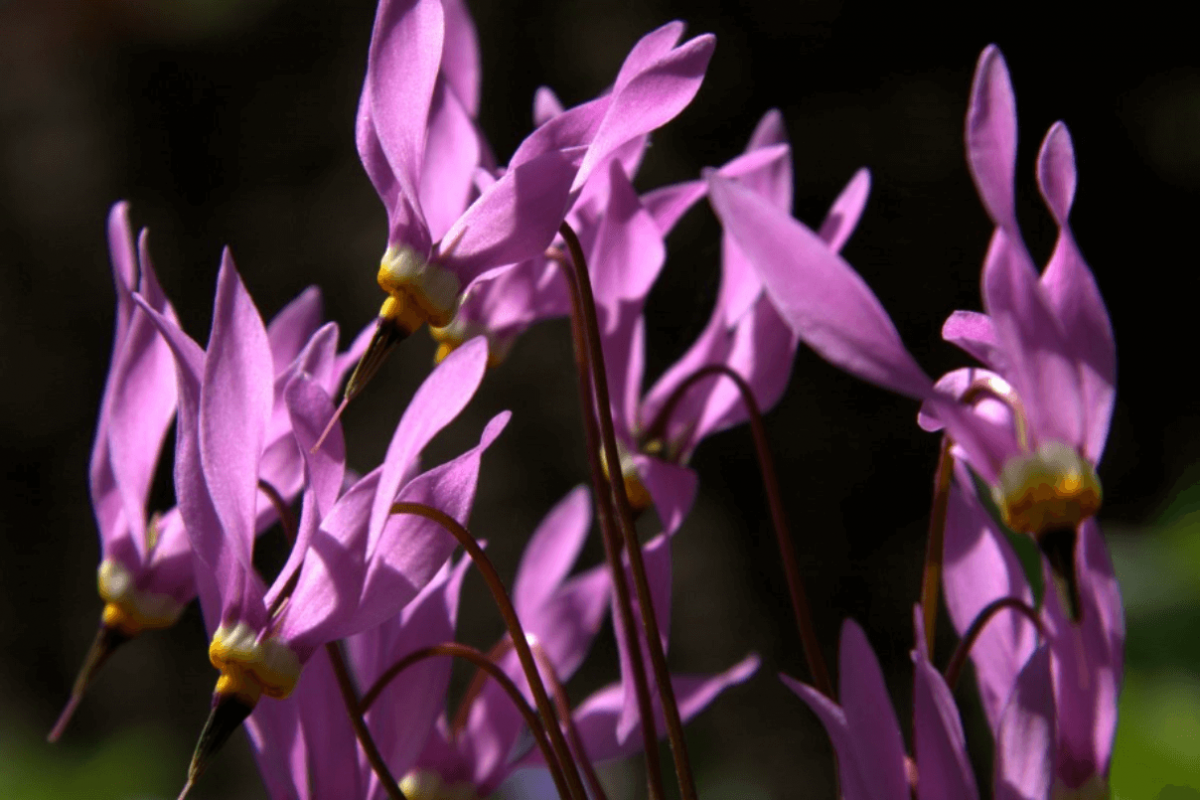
(546, 106)
(629, 251)
(293, 326)
(452, 155)
(235, 405)
(439, 400)
(331, 746)
(412, 549)
(1072, 292)
(874, 730)
(311, 409)
(818, 293)
(943, 769)
(980, 567)
(567, 623)
(672, 488)
(460, 55)
(514, 220)
(402, 67)
(974, 333)
(278, 743)
(846, 210)
(552, 550)
(1025, 738)
(141, 404)
(1038, 363)
(992, 138)
(651, 89)
(596, 716)
(851, 774)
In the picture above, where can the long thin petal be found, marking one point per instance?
(943, 768)
(874, 730)
(992, 138)
(236, 399)
(1072, 292)
(818, 293)
(439, 400)
(851, 774)
(552, 550)
(1025, 738)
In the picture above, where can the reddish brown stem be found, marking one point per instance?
(787, 551)
(515, 631)
(486, 667)
(957, 661)
(658, 659)
(931, 579)
(612, 542)
(374, 758)
(563, 703)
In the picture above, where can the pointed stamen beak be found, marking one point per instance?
(1059, 548)
(107, 640)
(228, 712)
(388, 333)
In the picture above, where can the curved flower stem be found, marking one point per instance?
(374, 758)
(563, 704)
(612, 544)
(787, 550)
(959, 659)
(931, 578)
(658, 659)
(515, 631)
(478, 680)
(485, 666)
(287, 520)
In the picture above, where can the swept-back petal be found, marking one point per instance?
(1039, 364)
(294, 325)
(820, 295)
(629, 251)
(1072, 292)
(460, 54)
(551, 551)
(870, 717)
(943, 769)
(992, 138)
(1025, 738)
(452, 155)
(236, 399)
(851, 774)
(439, 400)
(846, 210)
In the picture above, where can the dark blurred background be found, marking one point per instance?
(231, 123)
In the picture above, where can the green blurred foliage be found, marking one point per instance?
(128, 764)
(1157, 752)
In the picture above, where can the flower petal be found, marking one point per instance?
(870, 717)
(1072, 292)
(943, 768)
(551, 551)
(821, 297)
(439, 400)
(1025, 738)
(992, 138)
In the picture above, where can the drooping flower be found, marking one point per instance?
(1031, 425)
(350, 567)
(145, 574)
(869, 745)
(451, 220)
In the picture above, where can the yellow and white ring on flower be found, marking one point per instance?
(418, 289)
(129, 609)
(250, 666)
(1051, 489)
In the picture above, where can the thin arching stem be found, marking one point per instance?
(478, 680)
(612, 543)
(486, 667)
(931, 579)
(287, 520)
(658, 659)
(374, 758)
(787, 551)
(515, 630)
(957, 661)
(563, 704)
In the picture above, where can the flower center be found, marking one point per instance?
(1051, 489)
(128, 609)
(418, 290)
(251, 667)
(423, 784)
(635, 490)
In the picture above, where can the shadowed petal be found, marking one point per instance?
(1025, 738)
(874, 730)
(943, 769)
(551, 551)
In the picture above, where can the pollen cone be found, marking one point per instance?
(228, 712)
(1059, 548)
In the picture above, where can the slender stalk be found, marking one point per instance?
(563, 704)
(515, 630)
(612, 543)
(287, 520)
(658, 659)
(959, 659)
(374, 758)
(935, 546)
(486, 667)
(787, 551)
(478, 680)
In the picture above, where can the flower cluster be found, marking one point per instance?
(351, 641)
